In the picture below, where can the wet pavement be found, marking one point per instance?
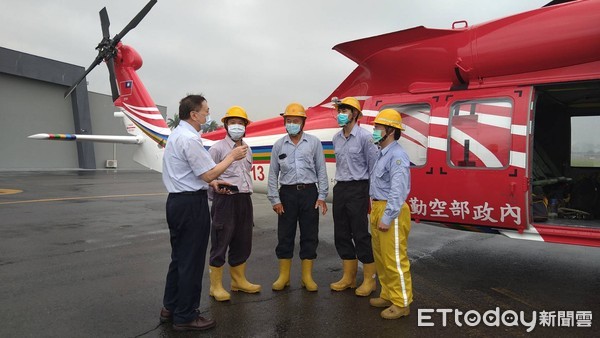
(84, 254)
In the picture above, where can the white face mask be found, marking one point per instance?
(236, 131)
(293, 128)
(208, 120)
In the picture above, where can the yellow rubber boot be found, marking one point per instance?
(307, 280)
(239, 281)
(349, 278)
(284, 275)
(216, 284)
(369, 284)
(395, 312)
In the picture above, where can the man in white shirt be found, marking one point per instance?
(187, 171)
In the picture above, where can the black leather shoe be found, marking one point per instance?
(165, 315)
(197, 324)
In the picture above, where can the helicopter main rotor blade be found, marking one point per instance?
(134, 22)
(105, 22)
(110, 63)
(94, 64)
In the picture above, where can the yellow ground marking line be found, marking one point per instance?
(80, 198)
(9, 191)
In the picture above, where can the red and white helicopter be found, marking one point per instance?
(494, 117)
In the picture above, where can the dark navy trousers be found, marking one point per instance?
(299, 209)
(351, 222)
(189, 227)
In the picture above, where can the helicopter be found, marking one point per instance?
(497, 118)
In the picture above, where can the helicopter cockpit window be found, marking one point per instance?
(415, 120)
(480, 135)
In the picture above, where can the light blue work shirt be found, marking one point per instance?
(184, 160)
(297, 164)
(390, 180)
(355, 155)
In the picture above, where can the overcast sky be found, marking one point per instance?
(255, 53)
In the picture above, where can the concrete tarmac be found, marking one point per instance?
(85, 254)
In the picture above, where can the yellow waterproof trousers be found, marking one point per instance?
(391, 258)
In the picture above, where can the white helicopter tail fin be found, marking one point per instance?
(148, 153)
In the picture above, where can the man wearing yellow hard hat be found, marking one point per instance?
(297, 189)
(232, 216)
(355, 155)
(390, 216)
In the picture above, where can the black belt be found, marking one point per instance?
(301, 186)
(198, 192)
(376, 200)
(355, 181)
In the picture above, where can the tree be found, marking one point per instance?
(172, 123)
(212, 126)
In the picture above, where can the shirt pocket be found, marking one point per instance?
(382, 174)
(355, 155)
(307, 161)
(283, 164)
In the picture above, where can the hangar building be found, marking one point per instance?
(31, 102)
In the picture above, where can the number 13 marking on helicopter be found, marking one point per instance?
(258, 173)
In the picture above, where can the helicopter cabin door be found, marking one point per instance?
(474, 170)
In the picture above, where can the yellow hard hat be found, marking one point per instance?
(294, 109)
(348, 101)
(236, 111)
(389, 117)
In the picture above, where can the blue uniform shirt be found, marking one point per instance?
(355, 155)
(296, 164)
(184, 160)
(390, 180)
